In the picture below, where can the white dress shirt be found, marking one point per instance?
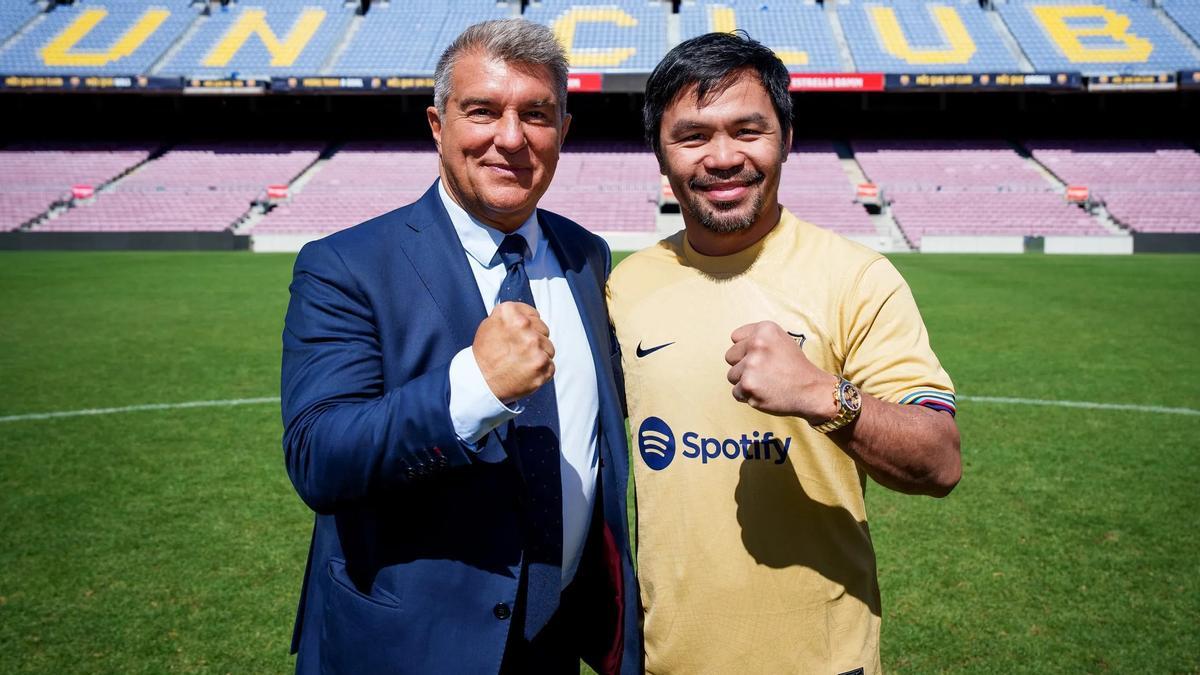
(475, 411)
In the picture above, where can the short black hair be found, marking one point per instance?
(708, 61)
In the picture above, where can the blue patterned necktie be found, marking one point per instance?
(534, 433)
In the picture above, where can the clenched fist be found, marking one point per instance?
(772, 374)
(513, 350)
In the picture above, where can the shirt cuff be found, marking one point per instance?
(474, 409)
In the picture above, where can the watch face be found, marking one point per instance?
(850, 396)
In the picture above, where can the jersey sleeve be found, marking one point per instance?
(887, 352)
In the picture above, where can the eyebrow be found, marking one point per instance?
(684, 126)
(486, 102)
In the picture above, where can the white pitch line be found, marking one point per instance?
(1081, 404)
(275, 399)
(138, 408)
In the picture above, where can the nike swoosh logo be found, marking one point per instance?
(798, 337)
(641, 353)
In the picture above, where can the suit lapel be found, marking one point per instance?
(437, 255)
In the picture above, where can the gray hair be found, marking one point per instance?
(511, 41)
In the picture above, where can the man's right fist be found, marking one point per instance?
(513, 350)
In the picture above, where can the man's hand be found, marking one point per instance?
(513, 350)
(772, 374)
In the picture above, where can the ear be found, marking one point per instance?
(787, 148)
(435, 125)
(566, 125)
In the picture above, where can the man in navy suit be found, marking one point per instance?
(450, 406)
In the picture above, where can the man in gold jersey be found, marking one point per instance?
(770, 367)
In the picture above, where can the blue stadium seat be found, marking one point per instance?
(607, 35)
(1186, 13)
(1095, 37)
(800, 33)
(86, 38)
(460, 15)
(953, 36)
(15, 14)
(234, 40)
(427, 28)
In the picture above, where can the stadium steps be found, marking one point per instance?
(28, 26)
(25, 28)
(56, 209)
(177, 45)
(1014, 47)
(259, 210)
(1175, 30)
(889, 231)
(343, 44)
(674, 30)
(839, 36)
(1097, 212)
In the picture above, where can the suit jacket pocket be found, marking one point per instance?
(362, 633)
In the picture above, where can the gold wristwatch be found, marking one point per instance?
(849, 403)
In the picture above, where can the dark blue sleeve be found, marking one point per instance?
(346, 440)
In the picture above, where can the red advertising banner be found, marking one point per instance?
(836, 82)
(585, 82)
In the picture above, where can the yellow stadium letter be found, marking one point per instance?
(1115, 27)
(564, 29)
(959, 48)
(58, 52)
(254, 22)
(722, 19)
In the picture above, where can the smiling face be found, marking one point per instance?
(723, 157)
(498, 138)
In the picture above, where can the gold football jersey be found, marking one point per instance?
(754, 554)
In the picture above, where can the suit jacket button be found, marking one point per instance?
(501, 611)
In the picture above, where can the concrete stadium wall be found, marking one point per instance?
(944, 244)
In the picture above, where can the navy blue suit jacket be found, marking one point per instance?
(416, 550)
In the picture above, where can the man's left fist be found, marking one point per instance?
(772, 374)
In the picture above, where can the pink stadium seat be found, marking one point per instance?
(196, 187)
(33, 176)
(1149, 186)
(968, 188)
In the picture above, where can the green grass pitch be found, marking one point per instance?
(171, 540)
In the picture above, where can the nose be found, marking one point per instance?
(510, 137)
(723, 154)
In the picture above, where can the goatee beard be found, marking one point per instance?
(710, 217)
(716, 220)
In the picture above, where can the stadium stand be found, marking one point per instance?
(460, 15)
(916, 36)
(800, 34)
(815, 188)
(1095, 37)
(1148, 186)
(14, 15)
(976, 188)
(98, 38)
(429, 27)
(35, 176)
(197, 187)
(1185, 13)
(262, 38)
(606, 187)
(360, 181)
(606, 36)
